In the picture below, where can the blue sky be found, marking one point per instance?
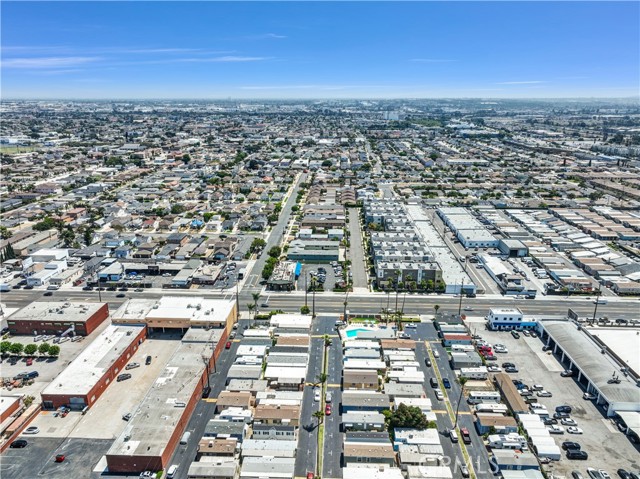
(320, 50)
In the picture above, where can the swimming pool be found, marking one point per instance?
(352, 333)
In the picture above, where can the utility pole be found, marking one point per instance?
(597, 301)
(460, 302)
(313, 285)
(306, 289)
(237, 301)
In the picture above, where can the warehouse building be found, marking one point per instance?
(153, 433)
(58, 317)
(177, 312)
(592, 366)
(86, 377)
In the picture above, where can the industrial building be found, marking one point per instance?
(501, 319)
(177, 312)
(152, 434)
(82, 382)
(58, 317)
(616, 392)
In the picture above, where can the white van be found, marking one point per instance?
(453, 435)
(171, 472)
(185, 438)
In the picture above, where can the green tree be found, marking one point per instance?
(305, 310)
(436, 307)
(177, 209)
(256, 297)
(410, 417)
(67, 237)
(16, 348)
(321, 378)
(250, 307)
(46, 224)
(207, 216)
(5, 347)
(5, 233)
(54, 350)
(44, 348)
(275, 252)
(319, 415)
(30, 349)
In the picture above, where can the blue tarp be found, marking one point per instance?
(298, 269)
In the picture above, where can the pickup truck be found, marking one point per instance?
(466, 437)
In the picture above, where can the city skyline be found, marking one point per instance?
(298, 50)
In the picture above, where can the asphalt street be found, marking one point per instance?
(332, 454)
(308, 431)
(356, 251)
(476, 450)
(252, 285)
(628, 308)
(205, 410)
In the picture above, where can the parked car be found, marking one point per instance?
(31, 430)
(549, 421)
(563, 408)
(327, 409)
(127, 416)
(47, 293)
(511, 370)
(439, 395)
(464, 471)
(60, 458)
(567, 421)
(577, 454)
(228, 345)
(560, 415)
(132, 366)
(574, 430)
(544, 394)
(588, 396)
(570, 445)
(623, 474)
(555, 429)
(19, 443)
(148, 360)
(567, 373)
(123, 377)
(446, 383)
(515, 334)
(316, 395)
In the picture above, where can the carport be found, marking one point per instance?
(593, 365)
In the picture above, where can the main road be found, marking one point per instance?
(369, 303)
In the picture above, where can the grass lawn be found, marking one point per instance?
(12, 150)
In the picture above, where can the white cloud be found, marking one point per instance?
(47, 62)
(526, 82)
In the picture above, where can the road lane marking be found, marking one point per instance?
(209, 399)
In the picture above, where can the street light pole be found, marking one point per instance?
(313, 285)
(460, 302)
(306, 289)
(597, 301)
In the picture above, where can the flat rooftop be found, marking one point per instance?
(624, 342)
(154, 421)
(82, 374)
(57, 311)
(175, 308)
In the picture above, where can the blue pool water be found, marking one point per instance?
(352, 333)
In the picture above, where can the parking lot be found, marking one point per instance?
(608, 448)
(99, 426)
(47, 368)
(330, 279)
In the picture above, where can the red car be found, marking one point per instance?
(327, 409)
(60, 458)
(228, 345)
(310, 475)
(29, 361)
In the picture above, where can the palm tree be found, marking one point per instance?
(256, 297)
(462, 381)
(319, 415)
(250, 307)
(321, 378)
(327, 340)
(436, 307)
